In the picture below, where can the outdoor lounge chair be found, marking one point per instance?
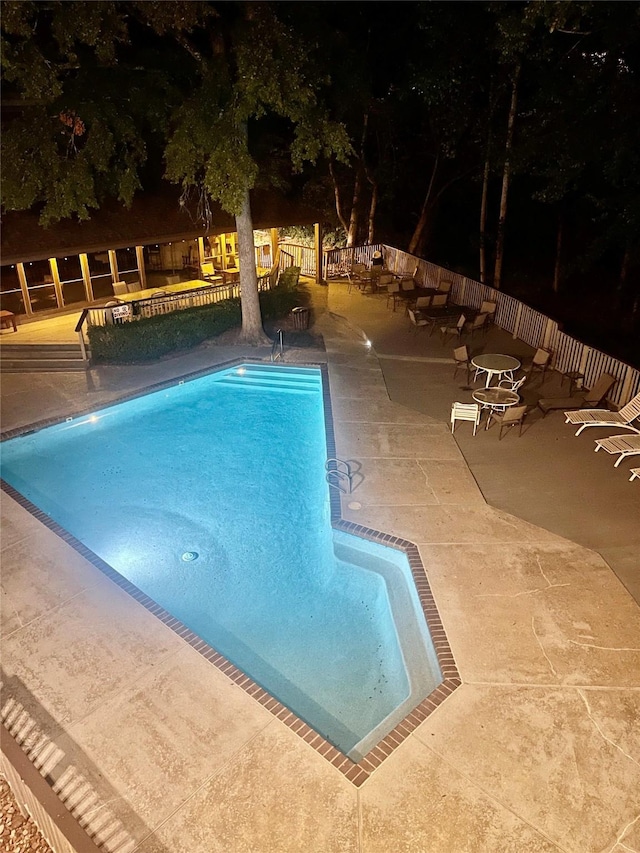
(603, 417)
(625, 445)
(635, 474)
(587, 400)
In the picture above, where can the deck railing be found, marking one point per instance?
(166, 303)
(303, 257)
(519, 320)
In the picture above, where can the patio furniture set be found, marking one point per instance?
(500, 400)
(627, 418)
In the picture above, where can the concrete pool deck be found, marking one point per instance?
(537, 750)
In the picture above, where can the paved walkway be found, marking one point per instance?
(538, 751)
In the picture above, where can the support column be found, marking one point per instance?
(22, 278)
(53, 263)
(113, 263)
(317, 234)
(141, 269)
(86, 275)
(274, 245)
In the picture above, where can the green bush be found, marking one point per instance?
(150, 338)
(289, 278)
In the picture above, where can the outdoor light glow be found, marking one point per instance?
(368, 343)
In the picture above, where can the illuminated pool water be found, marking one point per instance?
(210, 496)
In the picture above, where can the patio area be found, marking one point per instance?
(531, 548)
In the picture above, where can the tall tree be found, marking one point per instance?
(227, 68)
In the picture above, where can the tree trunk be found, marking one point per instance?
(354, 220)
(336, 192)
(483, 220)
(506, 177)
(252, 332)
(372, 212)
(557, 271)
(418, 239)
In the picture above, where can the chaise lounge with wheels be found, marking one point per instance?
(603, 417)
(625, 445)
(588, 400)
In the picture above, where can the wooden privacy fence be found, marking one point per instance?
(516, 318)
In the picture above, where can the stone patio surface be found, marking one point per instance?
(538, 750)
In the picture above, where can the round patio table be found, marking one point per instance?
(495, 398)
(494, 364)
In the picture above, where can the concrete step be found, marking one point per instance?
(41, 358)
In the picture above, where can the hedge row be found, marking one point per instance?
(150, 338)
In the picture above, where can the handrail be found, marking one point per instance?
(343, 474)
(278, 345)
(83, 317)
(79, 330)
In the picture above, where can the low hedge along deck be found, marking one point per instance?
(150, 338)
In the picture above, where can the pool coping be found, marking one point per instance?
(356, 772)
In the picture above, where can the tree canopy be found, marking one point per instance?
(413, 123)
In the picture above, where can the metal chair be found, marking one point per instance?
(478, 324)
(465, 412)
(513, 384)
(461, 359)
(540, 360)
(439, 300)
(416, 320)
(392, 293)
(510, 417)
(456, 330)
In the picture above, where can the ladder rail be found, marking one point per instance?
(277, 347)
(339, 475)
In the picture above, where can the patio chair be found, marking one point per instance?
(478, 324)
(625, 445)
(513, 416)
(489, 308)
(461, 359)
(439, 300)
(384, 280)
(590, 399)
(540, 361)
(392, 293)
(635, 474)
(456, 329)
(465, 412)
(513, 384)
(422, 303)
(445, 286)
(603, 417)
(416, 321)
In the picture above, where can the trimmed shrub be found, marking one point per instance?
(289, 278)
(151, 338)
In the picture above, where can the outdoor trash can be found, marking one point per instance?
(300, 318)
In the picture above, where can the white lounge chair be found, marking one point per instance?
(625, 445)
(635, 474)
(603, 417)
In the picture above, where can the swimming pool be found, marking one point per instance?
(211, 497)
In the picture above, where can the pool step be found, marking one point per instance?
(41, 358)
(73, 790)
(297, 381)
